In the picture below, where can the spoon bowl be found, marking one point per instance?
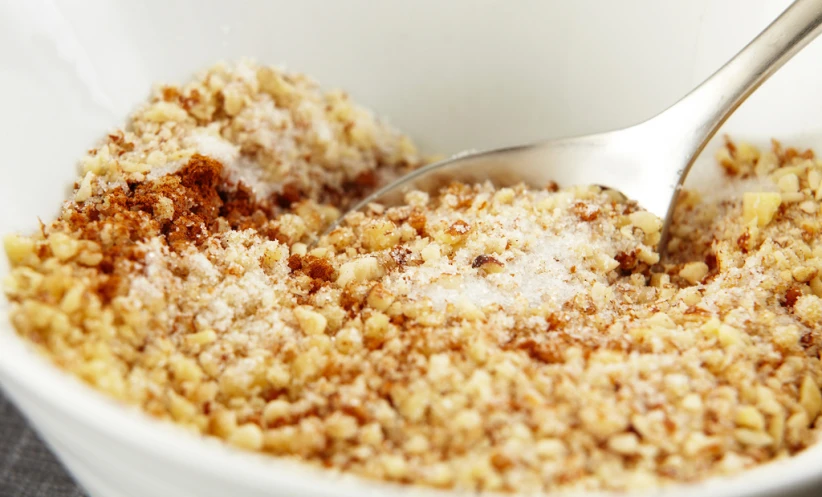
(647, 162)
(624, 160)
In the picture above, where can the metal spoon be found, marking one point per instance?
(647, 162)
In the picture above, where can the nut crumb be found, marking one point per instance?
(476, 338)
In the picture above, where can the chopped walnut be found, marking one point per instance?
(488, 264)
(474, 338)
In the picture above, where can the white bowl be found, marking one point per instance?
(455, 75)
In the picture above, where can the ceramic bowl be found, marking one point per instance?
(454, 75)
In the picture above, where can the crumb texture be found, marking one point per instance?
(513, 339)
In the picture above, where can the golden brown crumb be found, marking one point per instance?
(508, 339)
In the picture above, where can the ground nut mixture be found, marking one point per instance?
(478, 338)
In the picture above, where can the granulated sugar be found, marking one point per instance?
(549, 268)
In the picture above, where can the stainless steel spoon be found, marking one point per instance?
(647, 162)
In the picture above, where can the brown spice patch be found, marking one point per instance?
(555, 321)
(697, 310)
(366, 180)
(548, 351)
(711, 261)
(500, 461)
(807, 340)
(109, 287)
(238, 207)
(190, 100)
(792, 153)
(318, 267)
(627, 262)
(742, 242)
(295, 262)
(465, 201)
(584, 212)
(170, 93)
(791, 296)
(353, 190)
(349, 301)
(731, 146)
(289, 195)
(417, 221)
(181, 208)
(118, 139)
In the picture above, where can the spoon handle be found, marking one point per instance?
(698, 115)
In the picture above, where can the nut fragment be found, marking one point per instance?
(376, 325)
(247, 436)
(750, 417)
(760, 208)
(379, 298)
(311, 322)
(359, 270)
(605, 263)
(810, 398)
(233, 101)
(431, 253)
(646, 221)
(63, 246)
(625, 443)
(728, 336)
(804, 273)
(18, 248)
(789, 183)
(693, 272)
(380, 234)
(752, 438)
(165, 111)
(488, 263)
